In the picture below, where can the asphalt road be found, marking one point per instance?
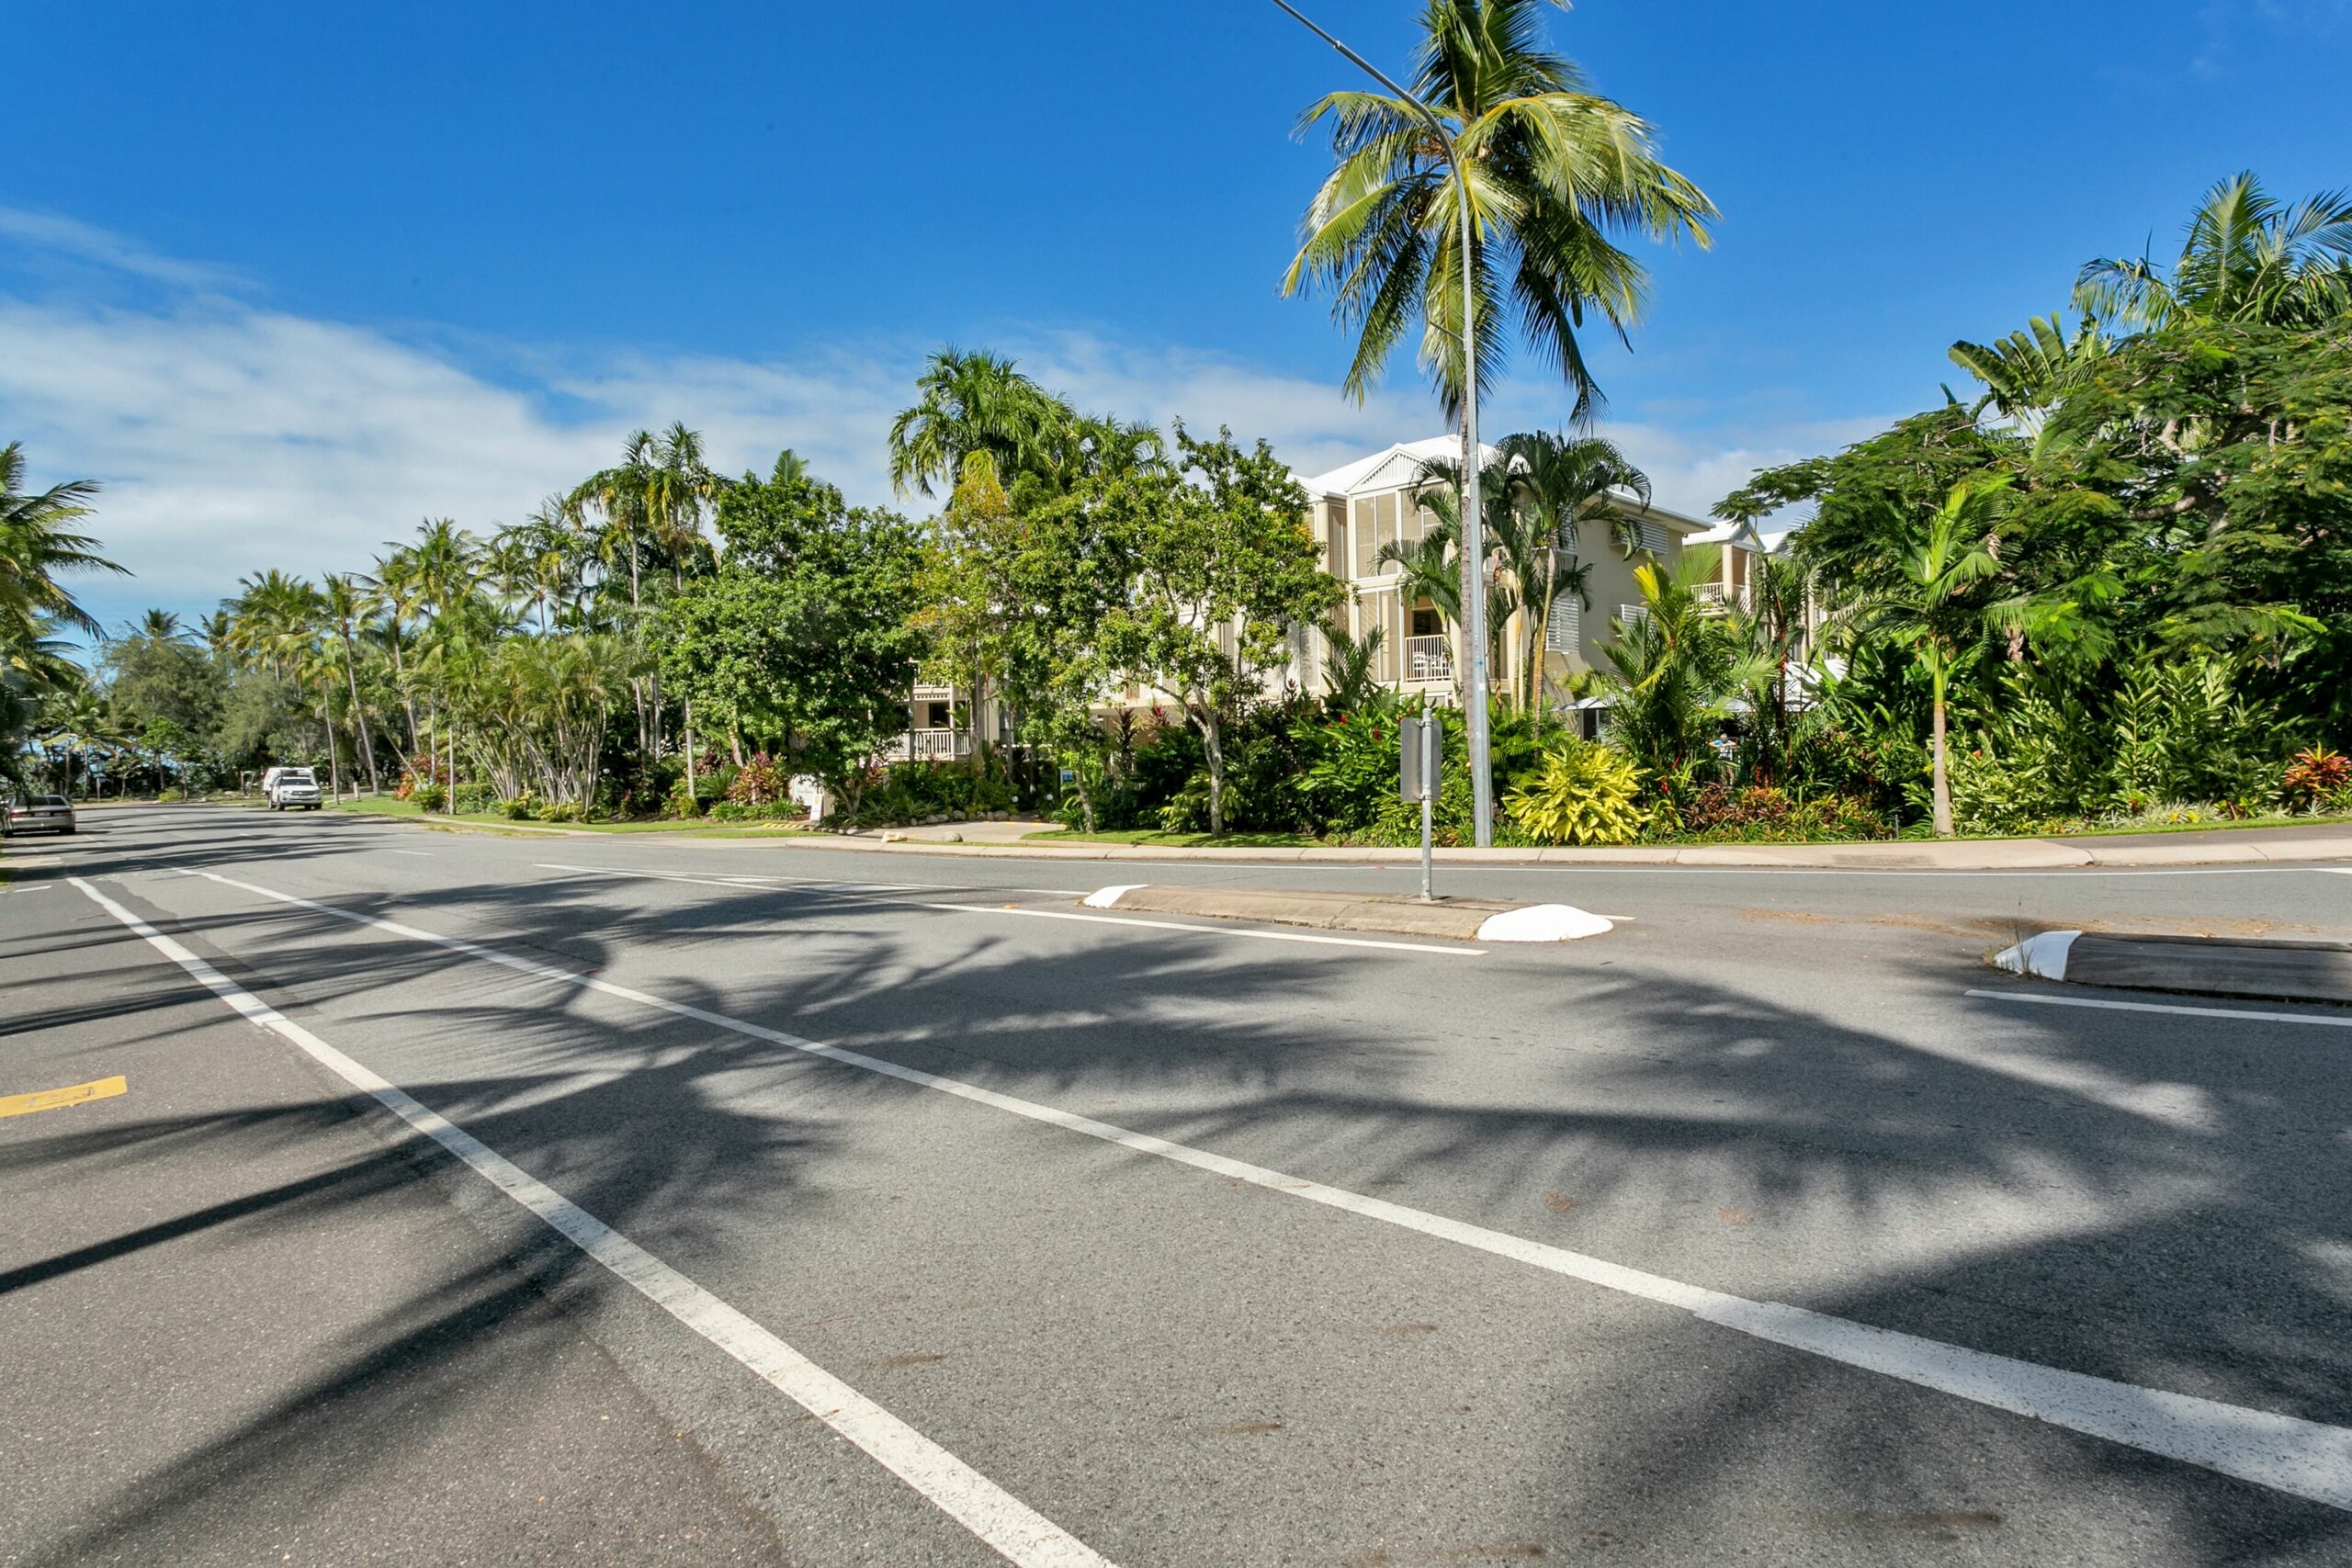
(935, 1222)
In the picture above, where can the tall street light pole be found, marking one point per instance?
(1473, 521)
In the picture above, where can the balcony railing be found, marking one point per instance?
(928, 746)
(1716, 596)
(1429, 658)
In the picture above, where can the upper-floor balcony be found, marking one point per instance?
(928, 746)
(1716, 596)
(1429, 658)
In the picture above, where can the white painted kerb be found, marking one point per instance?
(2042, 954)
(1108, 898)
(1541, 922)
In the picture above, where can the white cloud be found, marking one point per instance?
(231, 438)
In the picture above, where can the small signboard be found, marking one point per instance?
(1418, 747)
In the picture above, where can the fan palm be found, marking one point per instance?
(1553, 170)
(2246, 259)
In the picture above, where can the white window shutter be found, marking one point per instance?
(1564, 632)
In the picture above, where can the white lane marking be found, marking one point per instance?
(1318, 939)
(1017, 1531)
(813, 884)
(1314, 937)
(2037, 999)
(2334, 869)
(419, 854)
(2304, 1458)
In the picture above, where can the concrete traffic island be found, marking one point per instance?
(1462, 919)
(2211, 966)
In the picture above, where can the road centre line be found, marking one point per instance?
(57, 1099)
(2037, 997)
(2286, 1453)
(1316, 938)
(1016, 1532)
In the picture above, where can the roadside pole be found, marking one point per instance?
(1418, 749)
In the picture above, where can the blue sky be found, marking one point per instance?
(289, 276)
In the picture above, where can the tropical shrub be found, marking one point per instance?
(520, 809)
(430, 796)
(761, 780)
(1762, 814)
(2316, 776)
(1581, 793)
(475, 796)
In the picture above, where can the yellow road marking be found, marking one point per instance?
(51, 1099)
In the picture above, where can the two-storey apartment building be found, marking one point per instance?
(1376, 500)
(1360, 508)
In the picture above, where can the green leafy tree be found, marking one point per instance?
(1223, 567)
(802, 632)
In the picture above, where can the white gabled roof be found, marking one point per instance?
(1401, 465)
(1741, 534)
(1391, 469)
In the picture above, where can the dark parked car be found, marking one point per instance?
(39, 814)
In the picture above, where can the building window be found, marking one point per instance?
(935, 716)
(1426, 622)
(1632, 615)
(1564, 631)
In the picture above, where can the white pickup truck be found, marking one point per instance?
(290, 787)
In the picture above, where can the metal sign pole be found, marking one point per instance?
(1429, 799)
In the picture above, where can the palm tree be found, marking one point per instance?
(652, 506)
(2024, 372)
(2246, 259)
(159, 626)
(343, 605)
(978, 404)
(1672, 667)
(1928, 605)
(1558, 488)
(1349, 674)
(1553, 171)
(37, 545)
(278, 622)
